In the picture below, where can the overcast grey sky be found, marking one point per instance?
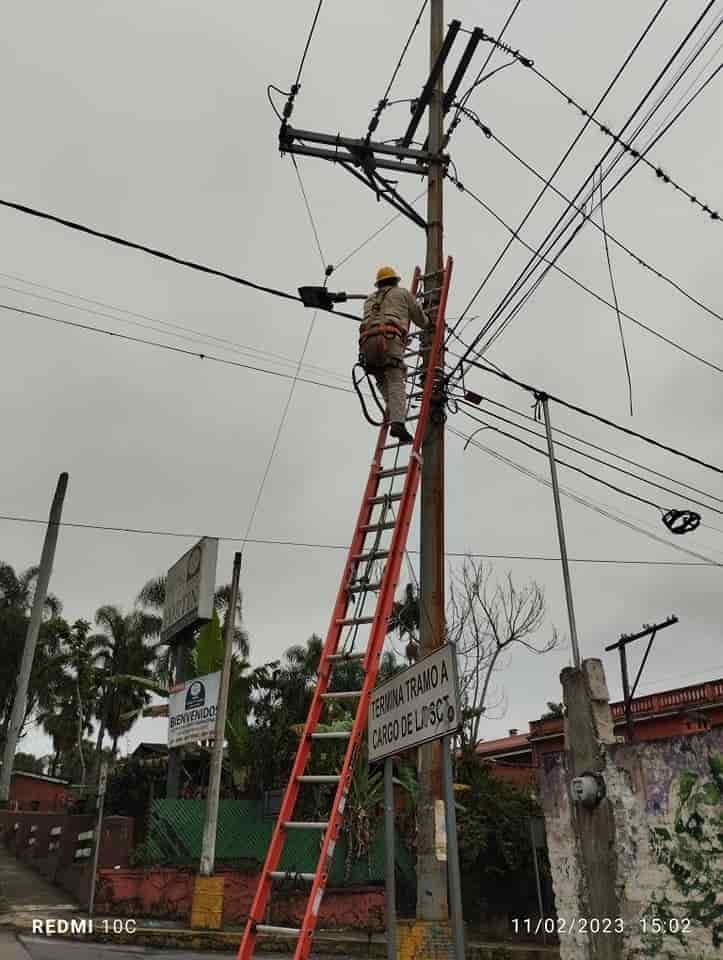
(150, 120)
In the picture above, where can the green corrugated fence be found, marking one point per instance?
(175, 833)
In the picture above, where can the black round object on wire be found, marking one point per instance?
(681, 521)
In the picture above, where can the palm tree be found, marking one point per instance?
(124, 658)
(17, 591)
(152, 598)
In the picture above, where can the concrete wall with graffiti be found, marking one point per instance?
(667, 802)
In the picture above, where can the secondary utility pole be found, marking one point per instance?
(431, 872)
(17, 717)
(649, 630)
(208, 849)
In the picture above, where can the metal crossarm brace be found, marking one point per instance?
(331, 828)
(459, 73)
(429, 86)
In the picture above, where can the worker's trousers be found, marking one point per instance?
(391, 382)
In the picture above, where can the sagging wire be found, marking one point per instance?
(384, 102)
(676, 521)
(587, 214)
(565, 155)
(588, 504)
(327, 270)
(626, 147)
(614, 293)
(551, 262)
(528, 270)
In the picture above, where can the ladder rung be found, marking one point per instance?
(380, 555)
(317, 778)
(265, 929)
(414, 416)
(369, 527)
(341, 657)
(391, 497)
(287, 875)
(342, 695)
(355, 622)
(415, 353)
(363, 587)
(394, 472)
(306, 824)
(332, 735)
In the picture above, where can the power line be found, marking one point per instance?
(564, 463)
(596, 416)
(158, 254)
(589, 456)
(532, 264)
(491, 135)
(376, 233)
(280, 428)
(615, 296)
(529, 269)
(106, 528)
(309, 213)
(612, 453)
(479, 78)
(384, 102)
(188, 334)
(564, 157)
(172, 349)
(529, 64)
(583, 501)
(515, 235)
(297, 82)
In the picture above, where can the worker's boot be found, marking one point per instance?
(399, 431)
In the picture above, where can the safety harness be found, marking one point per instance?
(374, 354)
(375, 339)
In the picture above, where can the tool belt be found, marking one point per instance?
(374, 344)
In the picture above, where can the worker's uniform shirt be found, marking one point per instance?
(388, 313)
(390, 310)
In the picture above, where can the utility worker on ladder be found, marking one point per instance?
(383, 334)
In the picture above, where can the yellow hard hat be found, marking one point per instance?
(387, 273)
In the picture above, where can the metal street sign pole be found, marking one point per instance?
(544, 399)
(208, 850)
(389, 866)
(98, 830)
(455, 883)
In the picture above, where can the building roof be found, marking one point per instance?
(697, 696)
(503, 746)
(151, 749)
(41, 776)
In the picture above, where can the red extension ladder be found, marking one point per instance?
(383, 512)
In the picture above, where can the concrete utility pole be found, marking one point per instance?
(431, 872)
(41, 592)
(208, 849)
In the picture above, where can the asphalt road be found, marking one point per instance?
(42, 948)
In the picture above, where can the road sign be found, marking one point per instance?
(189, 589)
(192, 710)
(415, 706)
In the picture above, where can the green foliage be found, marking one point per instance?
(27, 762)
(494, 837)
(208, 652)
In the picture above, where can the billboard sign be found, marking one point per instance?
(192, 710)
(189, 589)
(415, 706)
